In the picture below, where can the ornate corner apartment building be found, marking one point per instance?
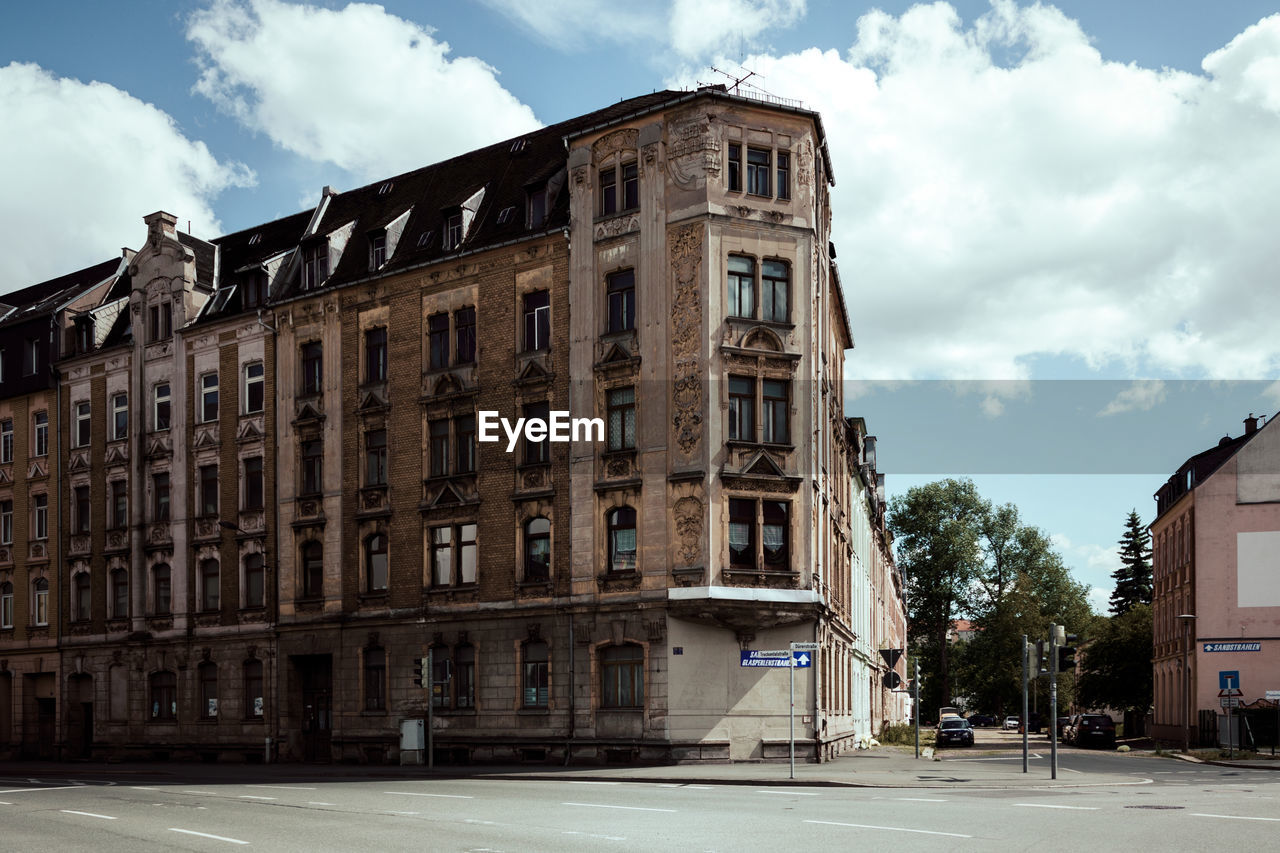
(319, 482)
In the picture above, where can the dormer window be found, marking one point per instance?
(159, 322)
(385, 188)
(453, 230)
(377, 249)
(255, 239)
(504, 215)
(537, 207)
(254, 288)
(425, 238)
(315, 265)
(84, 334)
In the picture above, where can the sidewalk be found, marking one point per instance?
(880, 767)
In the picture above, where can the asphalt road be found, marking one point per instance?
(1183, 807)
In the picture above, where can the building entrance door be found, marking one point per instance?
(316, 675)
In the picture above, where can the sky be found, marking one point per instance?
(1055, 224)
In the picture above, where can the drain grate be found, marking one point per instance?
(1155, 807)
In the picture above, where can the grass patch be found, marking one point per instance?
(899, 733)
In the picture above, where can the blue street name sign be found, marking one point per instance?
(758, 657)
(1246, 646)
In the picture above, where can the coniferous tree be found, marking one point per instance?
(1133, 578)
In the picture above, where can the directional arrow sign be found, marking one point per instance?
(801, 660)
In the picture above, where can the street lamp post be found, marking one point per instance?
(1186, 619)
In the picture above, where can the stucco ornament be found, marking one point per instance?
(692, 150)
(685, 249)
(688, 519)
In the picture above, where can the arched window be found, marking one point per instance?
(210, 584)
(535, 682)
(375, 563)
(6, 605)
(537, 549)
(622, 539)
(164, 696)
(81, 597)
(119, 594)
(40, 604)
(622, 676)
(312, 569)
(254, 582)
(161, 591)
(375, 679)
(208, 708)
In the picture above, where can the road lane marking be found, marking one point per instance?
(393, 811)
(1235, 817)
(919, 800)
(25, 790)
(589, 782)
(627, 808)
(888, 828)
(790, 793)
(207, 835)
(3, 803)
(252, 797)
(281, 787)
(89, 814)
(205, 793)
(322, 804)
(442, 796)
(1051, 806)
(140, 788)
(593, 835)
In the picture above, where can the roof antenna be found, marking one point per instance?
(737, 81)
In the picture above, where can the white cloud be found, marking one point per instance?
(82, 163)
(1142, 396)
(367, 91)
(701, 27)
(1005, 196)
(1100, 599)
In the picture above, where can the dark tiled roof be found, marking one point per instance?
(1197, 469)
(46, 295)
(204, 253)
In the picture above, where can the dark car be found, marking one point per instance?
(955, 731)
(976, 720)
(1062, 727)
(1094, 730)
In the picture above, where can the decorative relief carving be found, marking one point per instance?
(617, 226)
(620, 140)
(534, 478)
(580, 175)
(253, 522)
(688, 519)
(692, 149)
(38, 551)
(804, 164)
(685, 250)
(159, 534)
(308, 508)
(618, 466)
(6, 555)
(206, 527)
(80, 543)
(117, 539)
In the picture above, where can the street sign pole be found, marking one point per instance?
(1053, 699)
(431, 701)
(1026, 652)
(915, 704)
(791, 718)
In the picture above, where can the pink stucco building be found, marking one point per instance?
(1216, 565)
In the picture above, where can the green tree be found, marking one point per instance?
(1133, 578)
(1116, 665)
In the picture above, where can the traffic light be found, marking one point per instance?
(1033, 661)
(1067, 655)
(1042, 658)
(417, 671)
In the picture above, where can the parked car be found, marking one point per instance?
(982, 720)
(1094, 730)
(954, 731)
(1012, 724)
(1062, 727)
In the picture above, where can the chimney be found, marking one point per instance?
(1250, 424)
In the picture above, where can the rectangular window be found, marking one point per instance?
(253, 488)
(119, 594)
(254, 581)
(784, 175)
(210, 584)
(312, 466)
(208, 691)
(536, 207)
(254, 387)
(742, 523)
(758, 171)
(453, 555)
(82, 433)
(6, 605)
(621, 404)
(735, 167)
(81, 597)
(162, 585)
(30, 357)
(467, 554)
(776, 403)
(630, 186)
(119, 416)
(536, 683)
(80, 497)
(6, 522)
(312, 367)
(620, 289)
(453, 230)
(464, 677)
(315, 265)
(208, 398)
(622, 674)
(161, 418)
(537, 320)
(464, 325)
(6, 442)
(42, 602)
(159, 322)
(608, 191)
(742, 278)
(438, 340)
(254, 288)
(375, 453)
(375, 679)
(377, 249)
(537, 452)
(253, 701)
(41, 434)
(439, 447)
(775, 535)
(441, 556)
(119, 504)
(775, 277)
(742, 408)
(375, 354)
(464, 435)
(42, 516)
(160, 497)
(208, 490)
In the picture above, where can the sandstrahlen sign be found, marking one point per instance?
(779, 658)
(1254, 646)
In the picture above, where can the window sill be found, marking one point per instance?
(535, 711)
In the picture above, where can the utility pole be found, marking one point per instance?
(1026, 654)
(1055, 633)
(915, 703)
(431, 701)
